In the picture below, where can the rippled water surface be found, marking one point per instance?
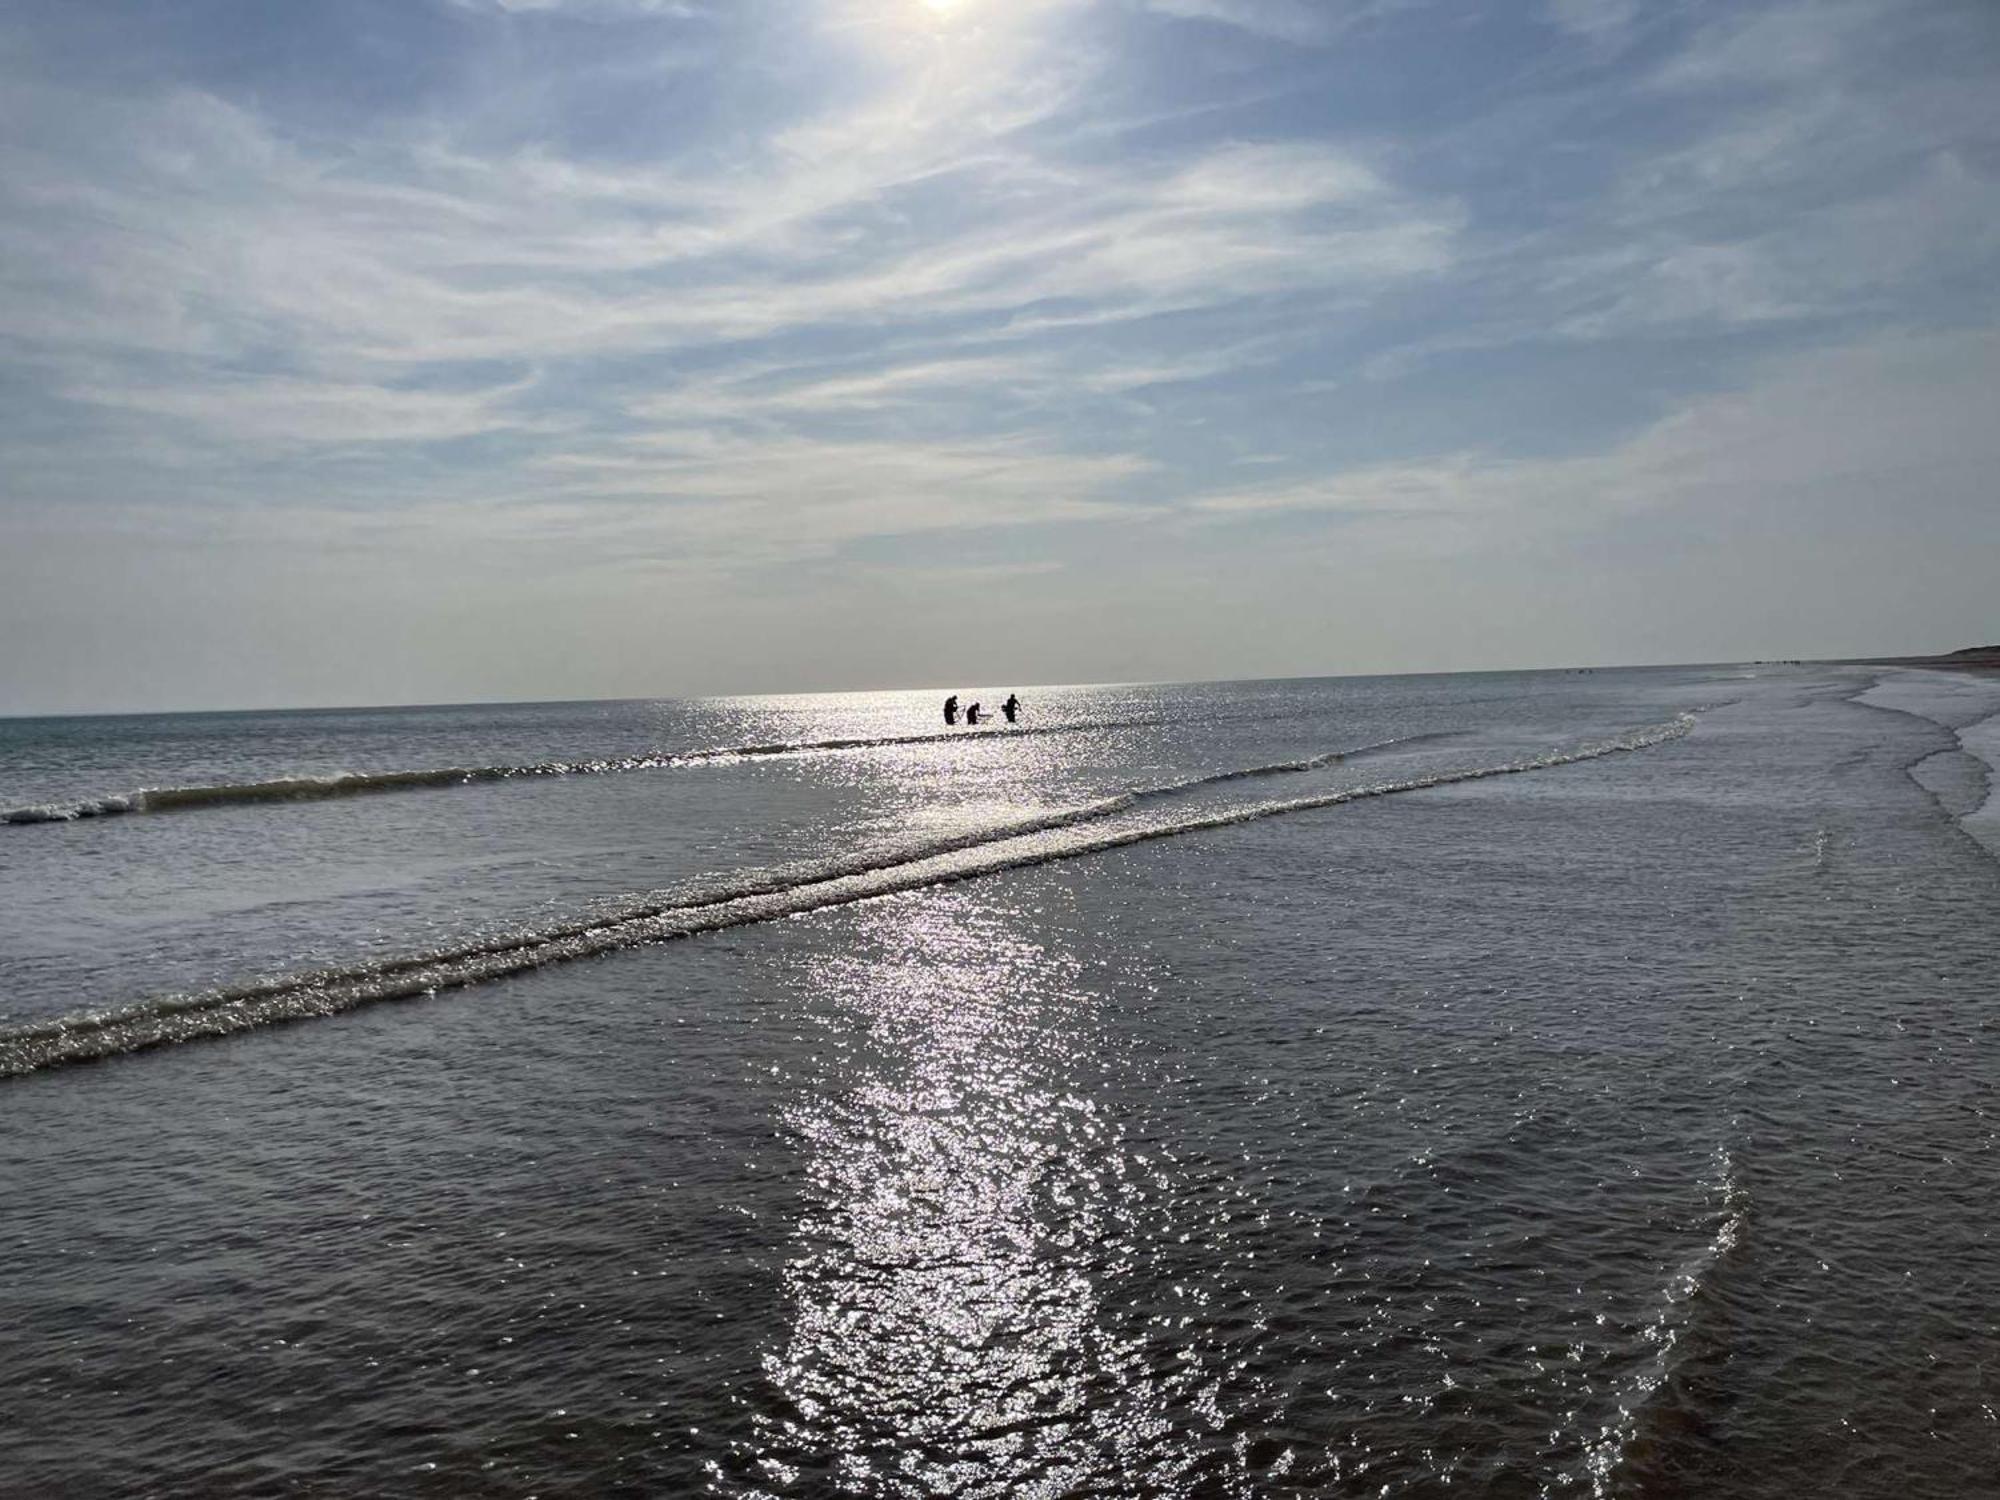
(1498, 1085)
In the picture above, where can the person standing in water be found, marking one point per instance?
(951, 709)
(972, 713)
(1011, 707)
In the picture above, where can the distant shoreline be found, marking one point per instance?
(1970, 659)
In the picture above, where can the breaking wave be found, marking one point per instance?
(1625, 1442)
(363, 783)
(1097, 827)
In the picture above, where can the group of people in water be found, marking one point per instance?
(1008, 710)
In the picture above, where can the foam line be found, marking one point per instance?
(363, 783)
(1668, 1332)
(1035, 841)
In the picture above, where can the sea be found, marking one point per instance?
(1575, 1083)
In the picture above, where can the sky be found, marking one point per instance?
(376, 351)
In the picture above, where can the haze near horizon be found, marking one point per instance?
(444, 350)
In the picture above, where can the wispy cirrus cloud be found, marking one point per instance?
(1806, 440)
(657, 285)
(673, 9)
(274, 295)
(1300, 21)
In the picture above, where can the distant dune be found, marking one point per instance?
(1965, 659)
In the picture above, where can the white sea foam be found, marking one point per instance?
(1981, 740)
(1967, 704)
(362, 783)
(1666, 1334)
(1089, 829)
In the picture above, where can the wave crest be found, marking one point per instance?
(363, 783)
(1033, 841)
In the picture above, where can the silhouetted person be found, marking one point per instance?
(1011, 707)
(951, 709)
(972, 714)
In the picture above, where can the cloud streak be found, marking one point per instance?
(644, 285)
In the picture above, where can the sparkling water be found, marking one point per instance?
(1558, 1083)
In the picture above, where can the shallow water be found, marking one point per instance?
(1620, 1124)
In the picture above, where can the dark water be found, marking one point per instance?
(1586, 1085)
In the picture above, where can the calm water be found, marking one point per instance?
(1489, 1085)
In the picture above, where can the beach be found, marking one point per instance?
(1497, 1084)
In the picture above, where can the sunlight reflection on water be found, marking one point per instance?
(947, 1327)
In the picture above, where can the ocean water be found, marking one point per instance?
(1507, 1084)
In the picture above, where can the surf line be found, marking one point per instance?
(1067, 835)
(364, 783)
(1674, 1323)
